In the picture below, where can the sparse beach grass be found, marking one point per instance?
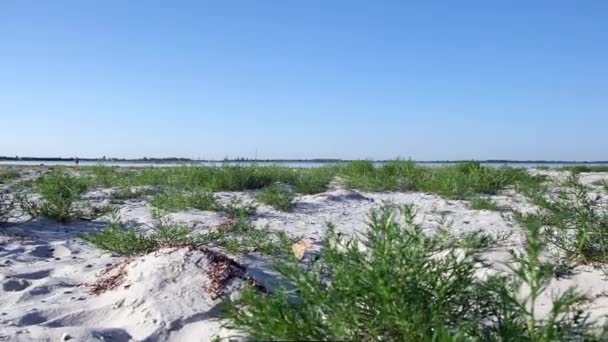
(457, 181)
(7, 205)
(575, 221)
(8, 175)
(397, 280)
(236, 235)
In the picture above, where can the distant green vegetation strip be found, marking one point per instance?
(457, 181)
(585, 168)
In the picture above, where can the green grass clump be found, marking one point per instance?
(176, 200)
(59, 192)
(237, 235)
(457, 181)
(237, 209)
(576, 221)
(392, 176)
(278, 197)
(222, 178)
(313, 181)
(398, 284)
(125, 240)
(480, 203)
(7, 175)
(7, 204)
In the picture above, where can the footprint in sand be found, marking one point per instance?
(31, 319)
(47, 251)
(14, 285)
(33, 275)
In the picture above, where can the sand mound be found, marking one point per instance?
(167, 291)
(342, 195)
(171, 294)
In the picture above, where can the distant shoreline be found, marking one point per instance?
(250, 161)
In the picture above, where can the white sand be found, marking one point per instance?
(48, 274)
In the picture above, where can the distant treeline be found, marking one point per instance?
(316, 160)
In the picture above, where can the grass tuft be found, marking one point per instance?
(278, 197)
(480, 203)
(59, 192)
(7, 204)
(575, 220)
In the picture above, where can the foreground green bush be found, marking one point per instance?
(398, 284)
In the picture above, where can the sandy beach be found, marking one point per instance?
(56, 286)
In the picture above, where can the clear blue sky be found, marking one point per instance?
(303, 79)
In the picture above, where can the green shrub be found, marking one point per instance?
(237, 235)
(399, 284)
(176, 200)
(7, 204)
(278, 197)
(576, 221)
(59, 192)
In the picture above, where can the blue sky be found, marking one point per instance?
(304, 79)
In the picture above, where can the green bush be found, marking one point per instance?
(576, 221)
(398, 284)
(278, 197)
(7, 204)
(59, 192)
